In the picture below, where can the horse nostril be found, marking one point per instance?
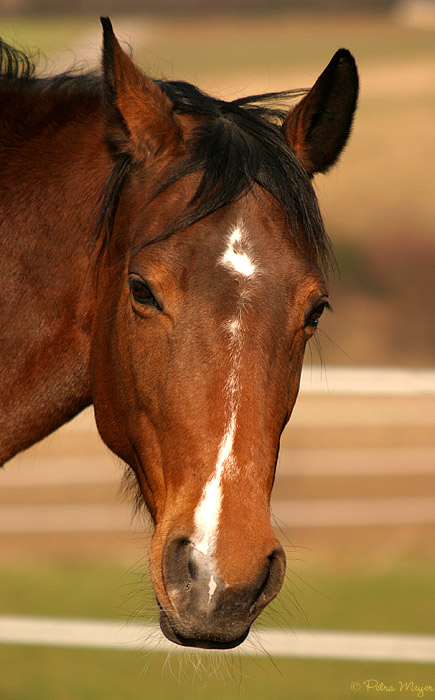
(277, 567)
(265, 580)
(177, 569)
(192, 566)
(272, 580)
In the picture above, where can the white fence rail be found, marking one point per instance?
(317, 513)
(314, 644)
(39, 468)
(373, 381)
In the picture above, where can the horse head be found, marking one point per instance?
(208, 290)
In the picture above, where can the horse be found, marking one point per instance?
(163, 257)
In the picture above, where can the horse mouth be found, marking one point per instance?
(207, 641)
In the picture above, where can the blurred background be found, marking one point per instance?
(354, 499)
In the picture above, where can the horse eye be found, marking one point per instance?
(141, 292)
(313, 319)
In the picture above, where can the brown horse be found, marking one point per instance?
(160, 256)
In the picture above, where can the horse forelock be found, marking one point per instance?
(236, 146)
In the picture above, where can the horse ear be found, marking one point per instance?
(138, 115)
(319, 126)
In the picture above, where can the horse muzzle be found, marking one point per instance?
(203, 611)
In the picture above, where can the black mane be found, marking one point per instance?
(18, 70)
(240, 144)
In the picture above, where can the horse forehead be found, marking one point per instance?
(241, 242)
(257, 254)
(245, 240)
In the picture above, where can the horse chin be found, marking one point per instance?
(209, 642)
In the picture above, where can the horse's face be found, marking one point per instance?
(198, 347)
(204, 337)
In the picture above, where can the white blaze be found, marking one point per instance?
(235, 256)
(207, 513)
(208, 509)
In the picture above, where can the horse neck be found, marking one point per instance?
(49, 191)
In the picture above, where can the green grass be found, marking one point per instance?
(74, 590)
(60, 674)
(223, 44)
(398, 598)
(43, 34)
